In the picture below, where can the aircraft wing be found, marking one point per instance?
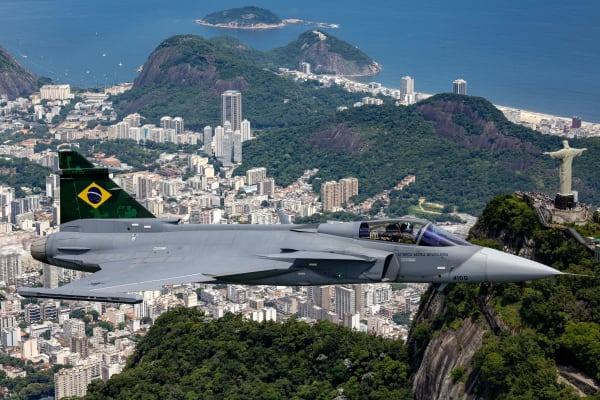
(113, 282)
(117, 279)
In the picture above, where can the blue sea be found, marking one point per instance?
(537, 55)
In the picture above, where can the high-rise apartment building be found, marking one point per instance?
(237, 147)
(254, 175)
(407, 89)
(226, 157)
(246, 131)
(459, 86)
(133, 119)
(305, 68)
(11, 264)
(207, 137)
(178, 125)
(232, 109)
(32, 313)
(345, 301)
(73, 327)
(266, 187)
(331, 196)
(80, 345)
(322, 296)
(56, 92)
(349, 189)
(165, 122)
(218, 140)
(73, 382)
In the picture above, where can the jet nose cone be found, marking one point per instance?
(38, 250)
(510, 268)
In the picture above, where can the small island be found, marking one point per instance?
(253, 18)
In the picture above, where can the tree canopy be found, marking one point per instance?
(188, 355)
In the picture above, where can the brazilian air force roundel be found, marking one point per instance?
(94, 195)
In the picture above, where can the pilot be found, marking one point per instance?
(392, 232)
(406, 233)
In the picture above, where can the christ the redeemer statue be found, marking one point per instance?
(565, 155)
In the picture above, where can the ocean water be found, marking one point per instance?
(536, 55)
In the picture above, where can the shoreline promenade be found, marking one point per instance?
(549, 124)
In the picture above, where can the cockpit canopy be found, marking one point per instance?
(414, 231)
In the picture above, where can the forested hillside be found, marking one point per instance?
(188, 355)
(17, 172)
(460, 148)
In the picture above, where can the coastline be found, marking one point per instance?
(283, 23)
(543, 123)
(233, 25)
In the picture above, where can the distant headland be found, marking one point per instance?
(253, 18)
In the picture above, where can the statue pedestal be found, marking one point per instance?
(564, 201)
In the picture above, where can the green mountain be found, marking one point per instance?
(325, 53)
(15, 80)
(186, 75)
(513, 340)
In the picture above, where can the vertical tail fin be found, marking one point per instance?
(87, 191)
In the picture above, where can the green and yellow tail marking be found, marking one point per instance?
(87, 191)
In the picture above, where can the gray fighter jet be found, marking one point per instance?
(107, 232)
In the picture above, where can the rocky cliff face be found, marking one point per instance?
(326, 54)
(446, 354)
(444, 371)
(15, 80)
(323, 59)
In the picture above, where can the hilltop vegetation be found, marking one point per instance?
(543, 323)
(20, 172)
(187, 355)
(242, 17)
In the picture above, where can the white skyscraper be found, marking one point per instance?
(232, 109)
(246, 131)
(237, 147)
(166, 122)
(218, 141)
(178, 125)
(459, 86)
(208, 132)
(407, 89)
(345, 301)
(73, 327)
(227, 146)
